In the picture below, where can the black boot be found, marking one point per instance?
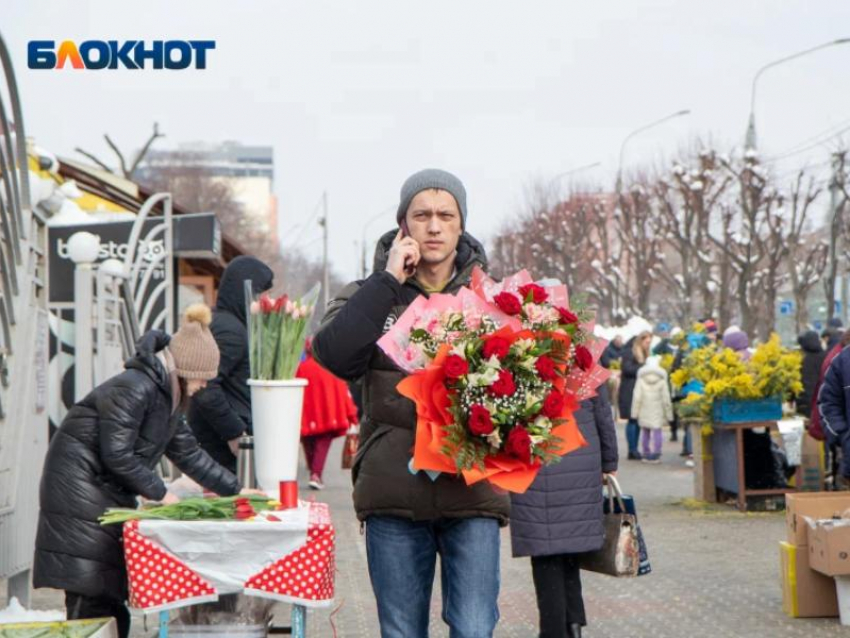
(574, 630)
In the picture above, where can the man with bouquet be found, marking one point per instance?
(411, 517)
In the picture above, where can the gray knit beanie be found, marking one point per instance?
(428, 179)
(195, 351)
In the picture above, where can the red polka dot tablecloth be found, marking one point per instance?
(172, 564)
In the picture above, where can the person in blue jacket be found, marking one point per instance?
(833, 402)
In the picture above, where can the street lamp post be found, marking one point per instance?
(751, 127)
(83, 249)
(637, 131)
(557, 178)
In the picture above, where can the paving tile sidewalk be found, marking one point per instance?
(715, 572)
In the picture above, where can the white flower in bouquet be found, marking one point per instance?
(484, 379)
(544, 423)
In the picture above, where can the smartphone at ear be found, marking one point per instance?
(409, 268)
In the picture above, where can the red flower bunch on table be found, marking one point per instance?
(242, 509)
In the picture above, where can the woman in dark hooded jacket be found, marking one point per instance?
(634, 356)
(813, 357)
(221, 413)
(104, 454)
(560, 517)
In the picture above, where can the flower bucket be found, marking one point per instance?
(276, 411)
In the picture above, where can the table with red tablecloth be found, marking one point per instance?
(173, 564)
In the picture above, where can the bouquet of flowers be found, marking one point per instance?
(277, 331)
(497, 375)
(430, 322)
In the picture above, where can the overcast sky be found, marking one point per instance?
(355, 96)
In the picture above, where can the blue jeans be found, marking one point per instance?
(402, 557)
(633, 435)
(687, 446)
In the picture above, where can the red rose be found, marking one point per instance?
(508, 303)
(504, 386)
(266, 304)
(498, 346)
(480, 421)
(538, 293)
(553, 405)
(546, 368)
(567, 316)
(518, 444)
(584, 359)
(455, 366)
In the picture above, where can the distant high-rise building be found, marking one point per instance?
(247, 169)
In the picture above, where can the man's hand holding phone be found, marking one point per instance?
(403, 257)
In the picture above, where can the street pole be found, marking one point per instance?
(750, 140)
(834, 193)
(366, 226)
(557, 178)
(323, 222)
(637, 131)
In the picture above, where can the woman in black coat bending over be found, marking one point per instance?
(560, 517)
(104, 455)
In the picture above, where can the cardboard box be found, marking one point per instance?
(829, 547)
(805, 592)
(814, 505)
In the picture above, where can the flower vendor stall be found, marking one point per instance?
(203, 550)
(733, 403)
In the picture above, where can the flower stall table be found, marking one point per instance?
(173, 564)
(726, 466)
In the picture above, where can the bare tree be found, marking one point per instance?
(807, 253)
(127, 170)
(753, 233)
(195, 189)
(688, 204)
(640, 232)
(839, 230)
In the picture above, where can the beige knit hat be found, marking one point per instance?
(193, 347)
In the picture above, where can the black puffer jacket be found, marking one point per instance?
(222, 411)
(813, 356)
(347, 346)
(628, 379)
(103, 455)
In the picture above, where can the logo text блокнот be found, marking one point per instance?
(173, 55)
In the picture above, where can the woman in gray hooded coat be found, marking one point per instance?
(560, 517)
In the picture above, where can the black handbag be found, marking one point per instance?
(620, 553)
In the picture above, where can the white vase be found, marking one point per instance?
(276, 412)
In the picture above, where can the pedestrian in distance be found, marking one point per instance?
(221, 413)
(412, 517)
(103, 456)
(559, 517)
(813, 358)
(738, 341)
(652, 407)
(328, 413)
(635, 355)
(833, 333)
